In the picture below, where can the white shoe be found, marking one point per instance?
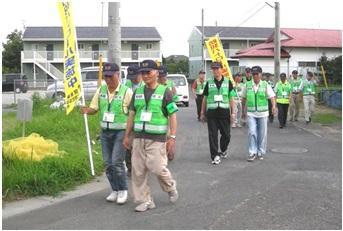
(112, 197)
(122, 197)
(216, 160)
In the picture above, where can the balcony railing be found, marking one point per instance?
(92, 56)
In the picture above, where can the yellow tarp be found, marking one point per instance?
(34, 147)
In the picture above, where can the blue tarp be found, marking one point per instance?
(332, 98)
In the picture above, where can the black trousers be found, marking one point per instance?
(128, 161)
(271, 116)
(198, 101)
(282, 113)
(214, 125)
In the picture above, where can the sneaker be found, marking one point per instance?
(145, 206)
(260, 157)
(173, 196)
(122, 197)
(112, 197)
(239, 125)
(224, 155)
(216, 160)
(251, 158)
(233, 125)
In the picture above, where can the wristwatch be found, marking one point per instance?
(172, 136)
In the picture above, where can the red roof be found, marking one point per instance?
(295, 38)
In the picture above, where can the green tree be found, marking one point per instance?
(333, 69)
(11, 52)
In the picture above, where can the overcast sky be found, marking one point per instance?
(175, 19)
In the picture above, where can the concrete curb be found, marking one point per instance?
(11, 209)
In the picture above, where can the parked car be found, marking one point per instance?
(181, 85)
(14, 81)
(90, 77)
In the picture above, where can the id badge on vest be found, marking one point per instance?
(146, 116)
(285, 94)
(201, 91)
(108, 117)
(218, 98)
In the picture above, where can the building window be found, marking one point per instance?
(306, 64)
(35, 47)
(149, 46)
(81, 46)
(253, 44)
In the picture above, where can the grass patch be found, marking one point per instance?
(25, 178)
(326, 118)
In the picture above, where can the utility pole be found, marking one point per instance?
(277, 47)
(202, 40)
(114, 34)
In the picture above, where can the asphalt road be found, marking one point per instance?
(284, 191)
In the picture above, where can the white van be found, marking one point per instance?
(90, 77)
(181, 85)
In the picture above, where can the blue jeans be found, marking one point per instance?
(113, 153)
(257, 135)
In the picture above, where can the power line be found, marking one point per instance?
(252, 15)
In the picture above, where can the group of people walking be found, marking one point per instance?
(252, 101)
(138, 121)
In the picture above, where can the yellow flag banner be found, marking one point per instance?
(72, 80)
(216, 51)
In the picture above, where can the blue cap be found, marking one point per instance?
(162, 71)
(148, 65)
(216, 65)
(238, 74)
(256, 69)
(283, 75)
(110, 68)
(132, 71)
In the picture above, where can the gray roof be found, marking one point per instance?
(237, 32)
(89, 33)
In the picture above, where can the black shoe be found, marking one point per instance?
(310, 120)
(307, 122)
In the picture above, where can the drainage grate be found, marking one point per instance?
(289, 150)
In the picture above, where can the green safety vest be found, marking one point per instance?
(200, 87)
(237, 92)
(309, 88)
(115, 106)
(295, 85)
(159, 122)
(129, 84)
(257, 102)
(170, 84)
(213, 90)
(282, 92)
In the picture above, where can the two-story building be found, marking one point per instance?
(42, 56)
(233, 39)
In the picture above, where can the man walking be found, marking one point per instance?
(270, 81)
(295, 100)
(151, 110)
(237, 95)
(198, 87)
(309, 91)
(112, 101)
(283, 94)
(255, 96)
(217, 102)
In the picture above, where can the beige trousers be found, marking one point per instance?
(309, 102)
(149, 156)
(294, 106)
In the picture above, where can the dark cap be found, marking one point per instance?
(295, 72)
(148, 65)
(132, 71)
(248, 70)
(162, 71)
(110, 68)
(309, 73)
(283, 75)
(202, 72)
(216, 65)
(238, 74)
(256, 69)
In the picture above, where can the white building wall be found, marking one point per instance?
(297, 55)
